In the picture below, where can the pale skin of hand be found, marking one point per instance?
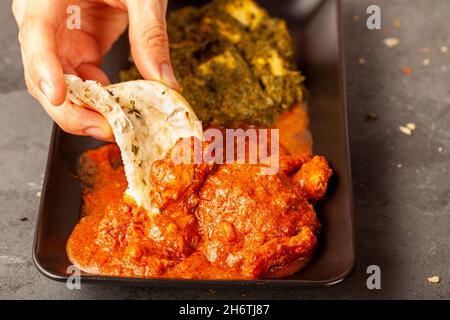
(50, 49)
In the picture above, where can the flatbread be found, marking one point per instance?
(146, 117)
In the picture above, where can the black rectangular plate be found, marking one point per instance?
(319, 51)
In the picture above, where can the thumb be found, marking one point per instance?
(149, 40)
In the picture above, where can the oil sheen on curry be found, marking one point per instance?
(216, 221)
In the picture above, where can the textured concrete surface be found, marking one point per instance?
(402, 183)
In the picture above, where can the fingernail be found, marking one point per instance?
(167, 75)
(46, 90)
(95, 132)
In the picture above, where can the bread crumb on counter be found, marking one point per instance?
(434, 279)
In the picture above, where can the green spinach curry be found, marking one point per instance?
(234, 62)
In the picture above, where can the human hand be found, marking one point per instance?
(50, 49)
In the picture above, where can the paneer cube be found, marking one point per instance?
(226, 59)
(247, 12)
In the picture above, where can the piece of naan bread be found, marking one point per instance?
(147, 118)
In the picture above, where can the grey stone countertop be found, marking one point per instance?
(401, 182)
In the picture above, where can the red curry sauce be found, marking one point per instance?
(216, 221)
